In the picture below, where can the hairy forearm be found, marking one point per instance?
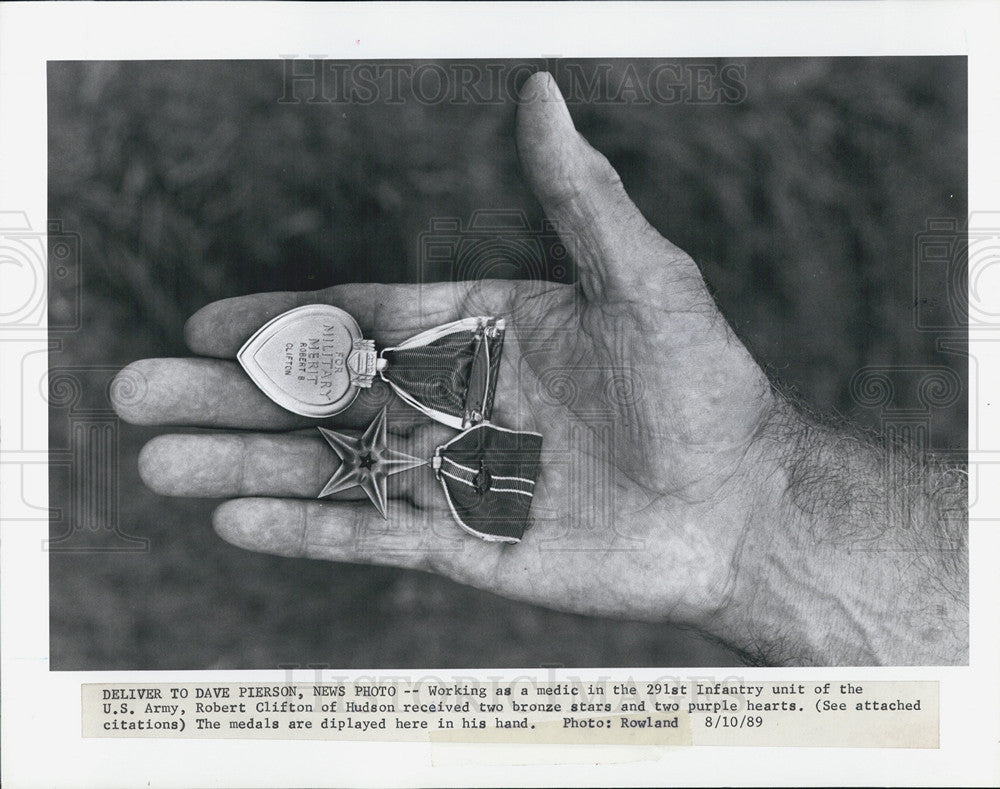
(854, 554)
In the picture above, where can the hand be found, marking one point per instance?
(667, 489)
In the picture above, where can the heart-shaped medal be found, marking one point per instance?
(311, 360)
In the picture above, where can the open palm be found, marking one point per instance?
(648, 404)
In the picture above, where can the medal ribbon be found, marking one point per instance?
(488, 474)
(449, 372)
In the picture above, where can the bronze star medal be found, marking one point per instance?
(366, 462)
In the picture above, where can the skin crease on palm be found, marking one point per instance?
(662, 506)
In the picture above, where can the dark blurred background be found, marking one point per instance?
(802, 186)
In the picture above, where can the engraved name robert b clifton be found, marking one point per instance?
(317, 361)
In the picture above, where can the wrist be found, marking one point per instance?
(838, 562)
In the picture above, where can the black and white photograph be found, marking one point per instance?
(499, 394)
(371, 364)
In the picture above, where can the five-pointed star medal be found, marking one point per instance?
(366, 462)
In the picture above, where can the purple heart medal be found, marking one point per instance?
(313, 361)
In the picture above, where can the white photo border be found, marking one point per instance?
(41, 709)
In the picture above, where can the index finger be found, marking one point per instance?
(386, 313)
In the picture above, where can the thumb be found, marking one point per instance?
(619, 255)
